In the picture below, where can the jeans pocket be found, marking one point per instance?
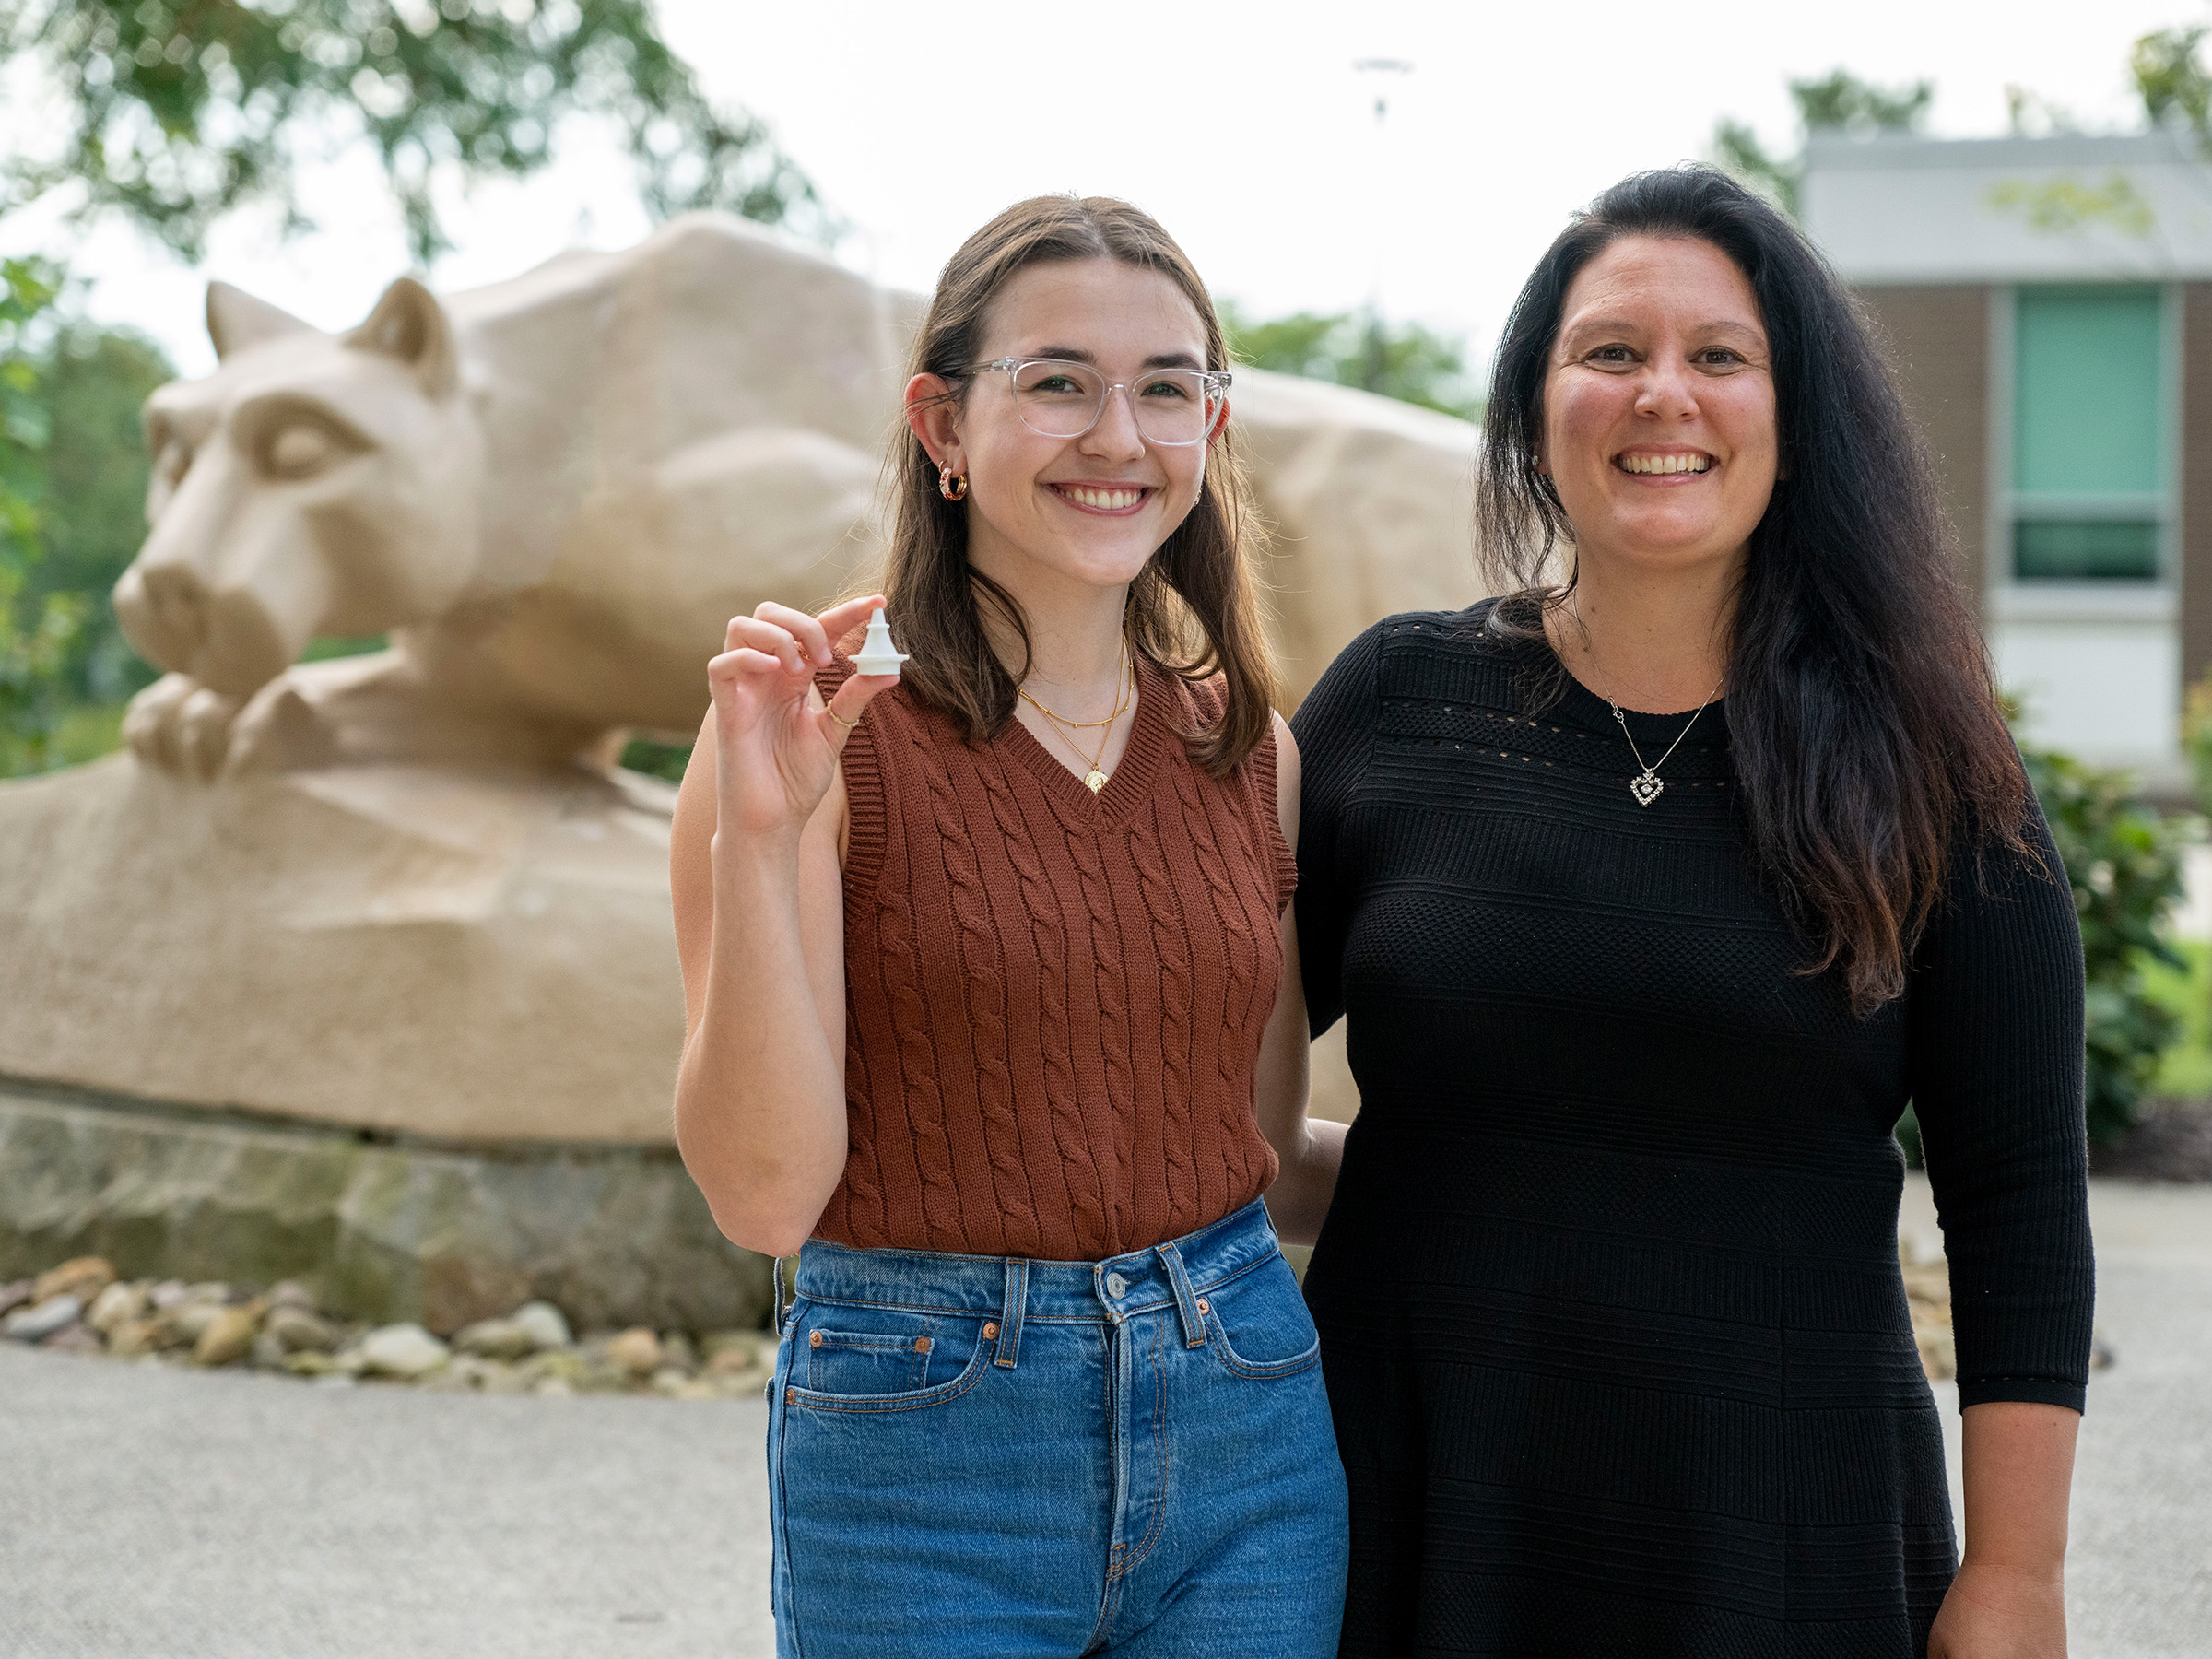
(1258, 1323)
(853, 1358)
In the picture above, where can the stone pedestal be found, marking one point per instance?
(381, 1229)
(468, 956)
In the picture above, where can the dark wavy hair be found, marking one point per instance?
(1867, 738)
(1193, 610)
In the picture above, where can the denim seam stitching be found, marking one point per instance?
(965, 1311)
(941, 1393)
(1259, 1371)
(1160, 1432)
(783, 1508)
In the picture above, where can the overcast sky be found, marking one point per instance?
(1244, 127)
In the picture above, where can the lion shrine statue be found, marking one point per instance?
(410, 892)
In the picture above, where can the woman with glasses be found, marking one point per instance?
(1652, 892)
(991, 1018)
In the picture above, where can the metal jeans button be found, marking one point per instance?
(1117, 1285)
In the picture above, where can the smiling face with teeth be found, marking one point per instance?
(1089, 510)
(1659, 415)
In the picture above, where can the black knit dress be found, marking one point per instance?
(1609, 1298)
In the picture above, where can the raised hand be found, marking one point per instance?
(775, 744)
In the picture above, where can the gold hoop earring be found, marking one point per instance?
(950, 487)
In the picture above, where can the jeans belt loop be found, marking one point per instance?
(1187, 1303)
(776, 1293)
(1010, 1310)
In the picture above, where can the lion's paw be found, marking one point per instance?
(180, 726)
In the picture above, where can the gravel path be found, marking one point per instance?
(153, 1512)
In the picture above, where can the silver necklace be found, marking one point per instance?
(1646, 786)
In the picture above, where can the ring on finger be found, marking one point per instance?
(848, 724)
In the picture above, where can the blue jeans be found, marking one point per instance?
(990, 1459)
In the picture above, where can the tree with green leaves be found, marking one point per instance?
(1837, 102)
(178, 111)
(93, 381)
(2173, 86)
(1403, 360)
(38, 630)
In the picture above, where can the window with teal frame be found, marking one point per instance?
(2089, 434)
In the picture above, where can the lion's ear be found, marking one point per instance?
(411, 327)
(236, 320)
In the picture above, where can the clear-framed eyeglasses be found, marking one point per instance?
(1057, 398)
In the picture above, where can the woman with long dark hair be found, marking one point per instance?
(991, 1020)
(1653, 891)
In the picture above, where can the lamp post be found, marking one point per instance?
(1376, 371)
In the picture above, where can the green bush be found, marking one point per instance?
(2123, 862)
(2124, 859)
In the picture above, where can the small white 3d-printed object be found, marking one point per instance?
(877, 654)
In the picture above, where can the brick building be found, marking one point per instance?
(2050, 304)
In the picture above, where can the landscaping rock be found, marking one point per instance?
(74, 1338)
(459, 1377)
(133, 1337)
(636, 1352)
(602, 1376)
(181, 1326)
(749, 1345)
(227, 1338)
(83, 1278)
(216, 1323)
(404, 1351)
(546, 1325)
(300, 1329)
(41, 1319)
(497, 1339)
(116, 1304)
(736, 1362)
(291, 1293)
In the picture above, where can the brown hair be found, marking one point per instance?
(1193, 610)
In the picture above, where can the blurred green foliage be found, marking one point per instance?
(2185, 1068)
(38, 630)
(73, 475)
(1838, 101)
(2173, 86)
(93, 381)
(2123, 861)
(178, 112)
(1403, 360)
(664, 760)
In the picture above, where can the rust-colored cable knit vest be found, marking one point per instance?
(1054, 1000)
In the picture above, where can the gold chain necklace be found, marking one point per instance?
(1094, 775)
(1120, 678)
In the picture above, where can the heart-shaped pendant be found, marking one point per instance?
(1094, 781)
(1646, 788)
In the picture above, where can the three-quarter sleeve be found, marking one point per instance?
(1334, 729)
(1996, 1068)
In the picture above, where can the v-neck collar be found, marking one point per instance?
(1131, 781)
